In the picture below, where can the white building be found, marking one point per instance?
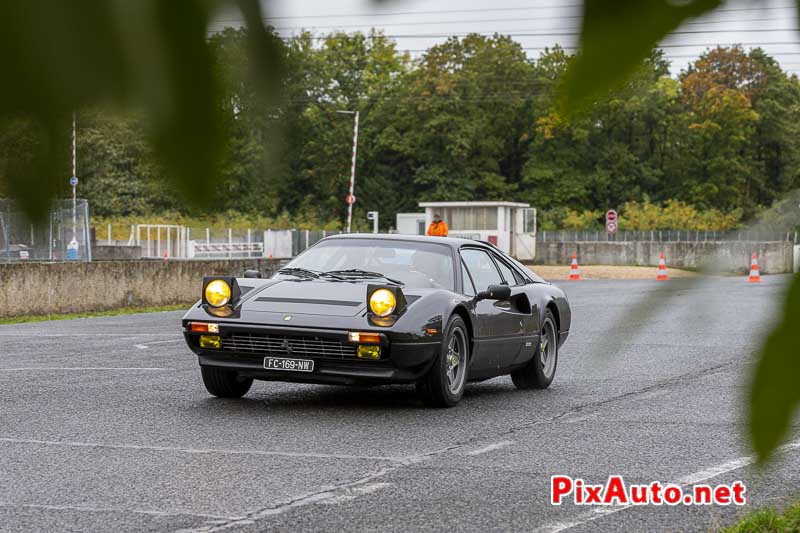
(511, 226)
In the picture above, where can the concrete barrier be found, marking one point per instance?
(45, 288)
(103, 252)
(716, 256)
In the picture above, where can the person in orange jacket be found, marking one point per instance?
(438, 227)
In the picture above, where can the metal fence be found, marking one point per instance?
(165, 241)
(667, 236)
(64, 235)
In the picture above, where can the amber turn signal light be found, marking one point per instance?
(363, 337)
(203, 327)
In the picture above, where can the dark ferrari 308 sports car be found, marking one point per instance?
(377, 309)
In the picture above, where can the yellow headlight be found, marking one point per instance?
(382, 302)
(218, 293)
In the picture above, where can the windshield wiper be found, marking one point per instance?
(305, 273)
(300, 273)
(358, 273)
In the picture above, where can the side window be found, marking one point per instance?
(511, 277)
(482, 268)
(469, 288)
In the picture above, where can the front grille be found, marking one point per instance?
(287, 346)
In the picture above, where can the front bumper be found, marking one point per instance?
(244, 348)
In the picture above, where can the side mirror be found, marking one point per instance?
(252, 274)
(495, 292)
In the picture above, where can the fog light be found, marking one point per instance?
(369, 352)
(210, 341)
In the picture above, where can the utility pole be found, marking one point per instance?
(351, 199)
(72, 247)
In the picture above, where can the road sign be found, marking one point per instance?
(611, 221)
(350, 199)
(73, 181)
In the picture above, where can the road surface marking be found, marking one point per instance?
(325, 493)
(491, 447)
(146, 345)
(689, 479)
(111, 510)
(80, 368)
(321, 496)
(222, 451)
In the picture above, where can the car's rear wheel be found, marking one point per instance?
(225, 383)
(444, 384)
(539, 372)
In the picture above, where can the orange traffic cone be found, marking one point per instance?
(755, 275)
(574, 273)
(662, 269)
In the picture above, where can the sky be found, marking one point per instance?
(417, 24)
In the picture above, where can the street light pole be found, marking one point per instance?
(350, 197)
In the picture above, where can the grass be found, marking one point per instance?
(768, 521)
(113, 312)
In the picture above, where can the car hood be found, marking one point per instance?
(308, 298)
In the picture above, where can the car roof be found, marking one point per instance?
(455, 242)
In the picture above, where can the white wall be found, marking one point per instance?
(408, 223)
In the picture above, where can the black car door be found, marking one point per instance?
(498, 325)
(526, 309)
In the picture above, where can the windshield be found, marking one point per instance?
(416, 265)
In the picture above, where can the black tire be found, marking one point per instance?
(540, 371)
(225, 383)
(444, 384)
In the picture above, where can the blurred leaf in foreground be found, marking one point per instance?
(615, 37)
(150, 56)
(775, 392)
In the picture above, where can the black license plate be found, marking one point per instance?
(292, 365)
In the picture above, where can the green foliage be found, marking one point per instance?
(570, 219)
(675, 214)
(473, 119)
(72, 316)
(736, 106)
(149, 55)
(774, 394)
(616, 36)
(768, 521)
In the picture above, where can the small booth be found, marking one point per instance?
(511, 226)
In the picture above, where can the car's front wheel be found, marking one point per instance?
(225, 383)
(539, 372)
(444, 384)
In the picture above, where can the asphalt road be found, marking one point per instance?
(105, 426)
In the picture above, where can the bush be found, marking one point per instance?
(564, 218)
(675, 215)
